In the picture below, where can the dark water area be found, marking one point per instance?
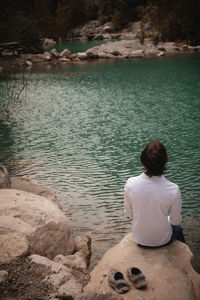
(80, 130)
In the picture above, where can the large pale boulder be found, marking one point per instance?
(25, 184)
(32, 224)
(167, 269)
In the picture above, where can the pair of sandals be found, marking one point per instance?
(120, 285)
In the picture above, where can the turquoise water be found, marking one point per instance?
(77, 46)
(80, 129)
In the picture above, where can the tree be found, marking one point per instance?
(175, 19)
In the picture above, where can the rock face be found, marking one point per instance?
(168, 271)
(4, 178)
(32, 224)
(80, 260)
(48, 278)
(64, 281)
(97, 295)
(25, 184)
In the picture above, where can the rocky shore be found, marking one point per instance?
(124, 49)
(41, 259)
(129, 45)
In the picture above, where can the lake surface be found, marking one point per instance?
(78, 46)
(80, 130)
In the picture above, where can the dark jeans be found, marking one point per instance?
(177, 233)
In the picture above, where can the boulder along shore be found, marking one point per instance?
(40, 258)
(131, 43)
(123, 49)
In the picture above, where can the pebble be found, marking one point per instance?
(3, 276)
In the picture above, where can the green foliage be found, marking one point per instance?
(29, 20)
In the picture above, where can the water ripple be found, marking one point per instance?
(80, 130)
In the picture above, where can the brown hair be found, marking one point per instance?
(154, 158)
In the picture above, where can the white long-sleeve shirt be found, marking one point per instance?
(154, 203)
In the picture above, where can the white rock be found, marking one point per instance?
(75, 261)
(108, 27)
(55, 53)
(34, 224)
(46, 56)
(136, 54)
(81, 55)
(98, 37)
(83, 244)
(64, 281)
(168, 271)
(3, 276)
(102, 55)
(28, 63)
(106, 36)
(65, 53)
(185, 47)
(48, 42)
(161, 53)
(66, 60)
(92, 53)
(151, 52)
(110, 56)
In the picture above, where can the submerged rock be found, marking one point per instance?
(168, 270)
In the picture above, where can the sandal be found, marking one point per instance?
(117, 282)
(136, 277)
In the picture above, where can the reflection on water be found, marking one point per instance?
(82, 128)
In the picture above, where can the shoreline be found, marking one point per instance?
(110, 51)
(48, 254)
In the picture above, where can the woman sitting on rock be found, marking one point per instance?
(153, 202)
